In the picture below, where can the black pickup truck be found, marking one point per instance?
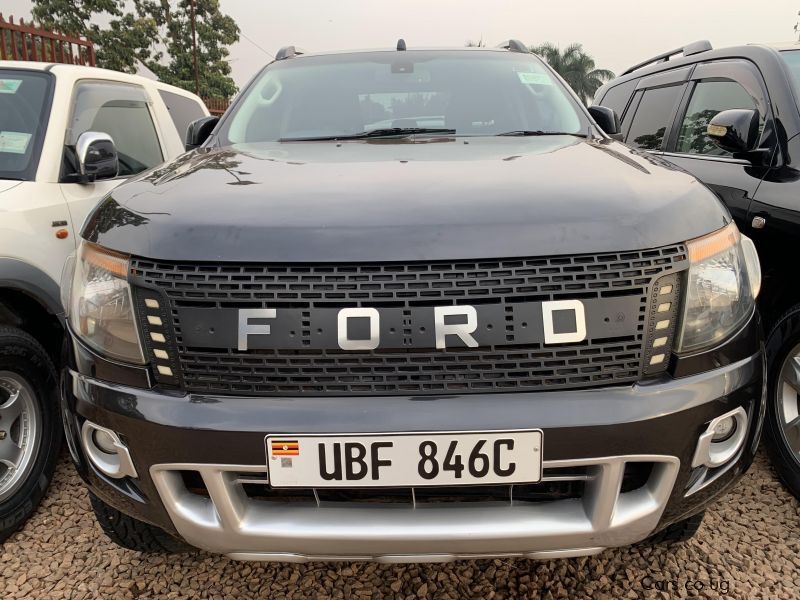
(747, 98)
(410, 305)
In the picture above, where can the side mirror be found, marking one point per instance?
(97, 156)
(735, 130)
(198, 131)
(607, 119)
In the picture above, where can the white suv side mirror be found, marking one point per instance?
(97, 156)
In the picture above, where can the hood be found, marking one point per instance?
(403, 200)
(7, 184)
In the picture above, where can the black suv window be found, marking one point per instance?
(653, 117)
(617, 97)
(708, 98)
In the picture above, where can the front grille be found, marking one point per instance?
(558, 483)
(343, 373)
(217, 285)
(401, 370)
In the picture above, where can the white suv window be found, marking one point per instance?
(122, 111)
(182, 110)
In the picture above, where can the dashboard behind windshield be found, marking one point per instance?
(475, 93)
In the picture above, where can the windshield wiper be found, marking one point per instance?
(375, 133)
(534, 132)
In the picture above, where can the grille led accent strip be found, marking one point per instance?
(153, 322)
(662, 322)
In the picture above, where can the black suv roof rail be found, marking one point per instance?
(687, 50)
(514, 46)
(288, 52)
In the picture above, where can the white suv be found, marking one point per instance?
(68, 135)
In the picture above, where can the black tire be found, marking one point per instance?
(134, 534)
(785, 336)
(23, 356)
(678, 532)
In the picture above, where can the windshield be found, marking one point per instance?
(24, 104)
(469, 93)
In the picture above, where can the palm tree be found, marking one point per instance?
(576, 67)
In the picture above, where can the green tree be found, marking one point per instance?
(72, 17)
(125, 39)
(157, 33)
(215, 32)
(576, 67)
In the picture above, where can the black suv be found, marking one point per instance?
(730, 117)
(411, 305)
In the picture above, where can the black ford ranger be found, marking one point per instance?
(410, 305)
(731, 117)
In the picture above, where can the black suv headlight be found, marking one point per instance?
(723, 282)
(100, 306)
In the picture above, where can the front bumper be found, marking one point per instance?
(595, 435)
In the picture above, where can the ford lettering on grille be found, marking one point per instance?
(556, 322)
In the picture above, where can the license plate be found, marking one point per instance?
(404, 460)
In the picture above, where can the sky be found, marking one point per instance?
(624, 32)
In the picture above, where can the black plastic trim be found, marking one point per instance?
(20, 275)
(87, 362)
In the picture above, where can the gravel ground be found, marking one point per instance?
(748, 547)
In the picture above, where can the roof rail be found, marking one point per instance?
(687, 50)
(289, 52)
(514, 46)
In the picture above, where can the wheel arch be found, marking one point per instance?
(783, 327)
(780, 290)
(30, 300)
(22, 276)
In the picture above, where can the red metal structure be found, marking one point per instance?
(216, 106)
(23, 41)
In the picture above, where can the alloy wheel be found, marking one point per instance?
(788, 401)
(19, 432)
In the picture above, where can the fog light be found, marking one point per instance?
(724, 429)
(104, 441)
(722, 439)
(106, 451)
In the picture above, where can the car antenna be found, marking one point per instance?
(401, 44)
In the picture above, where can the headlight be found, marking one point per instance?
(723, 282)
(101, 308)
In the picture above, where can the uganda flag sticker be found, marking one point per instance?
(285, 448)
